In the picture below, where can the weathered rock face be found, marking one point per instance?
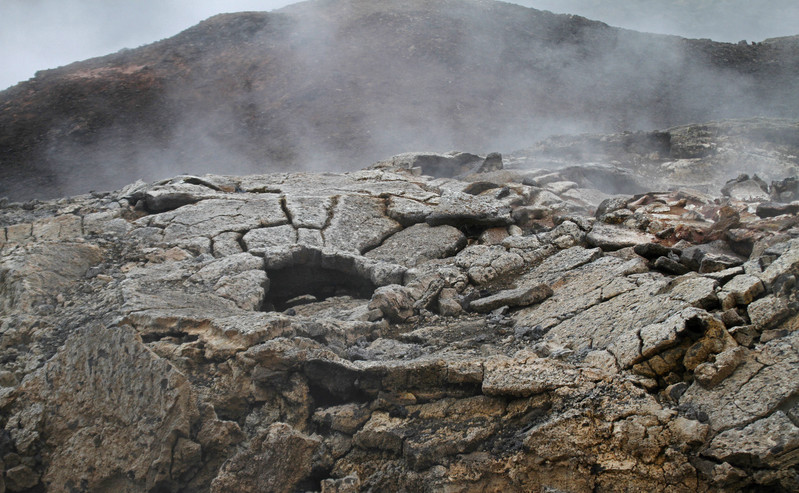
(339, 84)
(386, 330)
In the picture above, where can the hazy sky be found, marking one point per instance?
(40, 34)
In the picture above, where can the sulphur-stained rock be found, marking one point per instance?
(97, 379)
(769, 442)
(710, 374)
(753, 391)
(741, 290)
(610, 238)
(276, 460)
(526, 376)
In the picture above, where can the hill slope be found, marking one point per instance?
(341, 83)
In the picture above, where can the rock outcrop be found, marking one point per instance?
(340, 84)
(391, 330)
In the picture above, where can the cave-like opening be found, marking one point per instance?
(312, 281)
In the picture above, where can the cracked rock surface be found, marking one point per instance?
(392, 330)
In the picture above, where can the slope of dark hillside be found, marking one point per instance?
(337, 84)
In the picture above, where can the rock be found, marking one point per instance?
(419, 243)
(526, 215)
(394, 301)
(767, 312)
(732, 318)
(741, 290)
(460, 209)
(726, 275)
(225, 244)
(438, 165)
(485, 264)
(301, 331)
(493, 236)
(770, 209)
(347, 418)
(696, 290)
(368, 213)
(209, 218)
(407, 211)
(711, 374)
(311, 212)
(20, 478)
(689, 431)
(746, 189)
(512, 297)
(259, 241)
(671, 266)
(530, 376)
(381, 432)
(448, 304)
(173, 195)
(769, 442)
(57, 228)
(276, 460)
(97, 378)
(493, 162)
(611, 238)
(745, 335)
(347, 484)
(652, 251)
(717, 263)
(785, 265)
(741, 398)
(611, 205)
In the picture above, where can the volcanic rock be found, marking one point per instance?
(342, 84)
(389, 330)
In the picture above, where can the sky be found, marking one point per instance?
(42, 34)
